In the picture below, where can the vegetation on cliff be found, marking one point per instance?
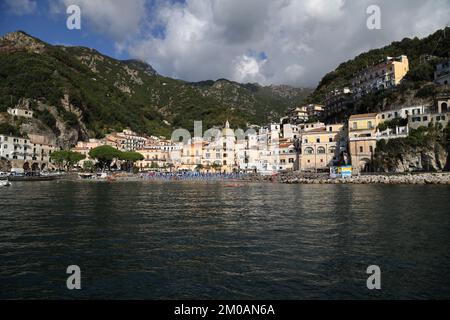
(94, 94)
(425, 149)
(423, 55)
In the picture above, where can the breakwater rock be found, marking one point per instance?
(420, 179)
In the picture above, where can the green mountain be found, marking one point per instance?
(423, 55)
(435, 45)
(77, 92)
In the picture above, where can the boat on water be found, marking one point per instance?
(86, 176)
(5, 183)
(32, 177)
(102, 176)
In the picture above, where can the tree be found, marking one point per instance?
(58, 157)
(130, 157)
(88, 166)
(66, 158)
(154, 165)
(105, 155)
(199, 167)
(8, 129)
(73, 158)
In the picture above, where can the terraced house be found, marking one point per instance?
(26, 155)
(386, 74)
(320, 147)
(362, 130)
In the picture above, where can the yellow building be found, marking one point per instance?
(192, 154)
(154, 157)
(319, 147)
(221, 151)
(287, 155)
(386, 74)
(362, 140)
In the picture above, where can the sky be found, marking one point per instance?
(293, 42)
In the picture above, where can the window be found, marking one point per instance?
(320, 150)
(361, 149)
(332, 150)
(371, 149)
(425, 118)
(318, 140)
(291, 160)
(355, 125)
(309, 150)
(369, 124)
(330, 139)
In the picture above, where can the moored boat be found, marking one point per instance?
(32, 177)
(4, 183)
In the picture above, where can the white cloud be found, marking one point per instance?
(118, 19)
(302, 39)
(248, 69)
(21, 7)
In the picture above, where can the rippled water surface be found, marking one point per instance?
(209, 241)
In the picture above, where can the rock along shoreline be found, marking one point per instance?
(317, 178)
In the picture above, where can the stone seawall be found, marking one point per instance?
(423, 178)
(323, 178)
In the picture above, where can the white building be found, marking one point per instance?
(403, 113)
(127, 140)
(26, 155)
(18, 112)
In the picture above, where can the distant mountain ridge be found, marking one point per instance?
(81, 91)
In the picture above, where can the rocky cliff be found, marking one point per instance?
(77, 92)
(400, 156)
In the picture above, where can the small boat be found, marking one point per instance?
(33, 177)
(5, 183)
(86, 176)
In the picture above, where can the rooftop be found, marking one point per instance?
(363, 116)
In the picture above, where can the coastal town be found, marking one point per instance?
(224, 157)
(300, 141)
